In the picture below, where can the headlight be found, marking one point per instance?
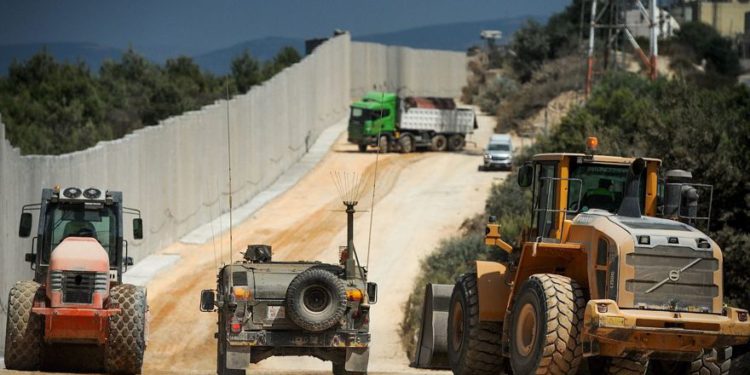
(486, 156)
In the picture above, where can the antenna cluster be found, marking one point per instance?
(349, 185)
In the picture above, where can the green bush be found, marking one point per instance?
(50, 107)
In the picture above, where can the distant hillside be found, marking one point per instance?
(92, 54)
(453, 36)
(218, 61)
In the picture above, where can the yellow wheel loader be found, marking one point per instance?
(612, 274)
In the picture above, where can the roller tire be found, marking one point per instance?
(712, 362)
(406, 143)
(24, 336)
(439, 143)
(316, 283)
(555, 304)
(123, 353)
(474, 347)
(456, 142)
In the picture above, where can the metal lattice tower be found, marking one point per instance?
(608, 21)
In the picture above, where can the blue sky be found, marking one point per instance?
(194, 25)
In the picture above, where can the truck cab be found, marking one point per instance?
(373, 115)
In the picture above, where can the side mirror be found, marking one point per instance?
(138, 228)
(129, 261)
(208, 296)
(24, 228)
(30, 257)
(525, 175)
(372, 293)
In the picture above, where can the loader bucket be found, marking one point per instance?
(432, 348)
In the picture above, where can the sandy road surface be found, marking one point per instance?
(420, 198)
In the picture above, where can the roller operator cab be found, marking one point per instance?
(77, 297)
(269, 308)
(613, 271)
(394, 123)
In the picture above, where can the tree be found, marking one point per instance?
(246, 72)
(530, 48)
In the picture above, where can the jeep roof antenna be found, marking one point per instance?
(350, 187)
(229, 164)
(375, 180)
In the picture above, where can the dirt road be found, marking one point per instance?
(420, 199)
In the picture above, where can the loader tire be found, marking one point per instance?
(23, 339)
(439, 143)
(712, 362)
(123, 353)
(456, 142)
(617, 366)
(546, 323)
(473, 347)
(316, 299)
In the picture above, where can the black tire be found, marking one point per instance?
(316, 299)
(362, 148)
(24, 329)
(712, 362)
(439, 143)
(474, 347)
(383, 144)
(221, 349)
(123, 353)
(406, 142)
(546, 323)
(456, 142)
(340, 369)
(618, 366)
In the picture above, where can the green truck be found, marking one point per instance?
(393, 123)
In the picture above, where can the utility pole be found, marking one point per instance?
(618, 24)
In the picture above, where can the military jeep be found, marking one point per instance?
(267, 308)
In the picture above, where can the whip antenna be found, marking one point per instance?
(229, 164)
(375, 178)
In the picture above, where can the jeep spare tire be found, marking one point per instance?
(316, 299)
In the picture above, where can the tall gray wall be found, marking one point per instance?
(176, 171)
(406, 70)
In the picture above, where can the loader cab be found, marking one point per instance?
(72, 212)
(566, 184)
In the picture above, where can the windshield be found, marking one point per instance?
(498, 147)
(603, 187)
(73, 220)
(357, 112)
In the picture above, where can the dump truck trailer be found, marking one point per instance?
(404, 124)
(612, 270)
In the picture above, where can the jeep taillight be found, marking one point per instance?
(235, 325)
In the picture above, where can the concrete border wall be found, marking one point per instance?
(176, 171)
